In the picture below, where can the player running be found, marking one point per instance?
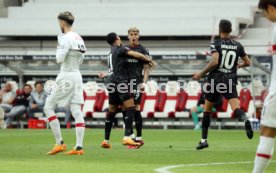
(118, 88)
(222, 70)
(139, 73)
(268, 119)
(68, 90)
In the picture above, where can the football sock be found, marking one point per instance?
(205, 124)
(138, 123)
(110, 116)
(124, 115)
(195, 118)
(240, 114)
(264, 154)
(79, 123)
(54, 124)
(130, 113)
(78, 148)
(139, 138)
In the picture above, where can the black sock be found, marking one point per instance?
(78, 148)
(61, 142)
(124, 116)
(130, 113)
(138, 123)
(110, 116)
(240, 114)
(206, 124)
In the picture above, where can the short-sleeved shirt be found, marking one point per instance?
(118, 65)
(136, 66)
(229, 53)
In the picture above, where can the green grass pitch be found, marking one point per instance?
(23, 151)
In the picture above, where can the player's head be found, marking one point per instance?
(8, 87)
(38, 86)
(113, 39)
(66, 19)
(225, 26)
(133, 36)
(269, 9)
(27, 89)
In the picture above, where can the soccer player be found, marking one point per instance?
(139, 73)
(118, 88)
(268, 119)
(222, 70)
(68, 90)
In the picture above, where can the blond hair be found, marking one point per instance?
(133, 29)
(67, 17)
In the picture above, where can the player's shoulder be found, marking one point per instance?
(143, 49)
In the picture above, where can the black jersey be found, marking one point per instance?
(229, 52)
(118, 65)
(135, 66)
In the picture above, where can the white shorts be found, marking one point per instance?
(268, 117)
(68, 90)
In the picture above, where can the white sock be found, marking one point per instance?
(132, 136)
(80, 125)
(203, 140)
(55, 127)
(139, 138)
(264, 154)
(107, 141)
(54, 124)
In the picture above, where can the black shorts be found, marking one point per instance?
(213, 95)
(117, 96)
(137, 95)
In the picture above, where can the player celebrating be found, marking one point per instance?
(137, 68)
(118, 88)
(68, 90)
(222, 70)
(268, 119)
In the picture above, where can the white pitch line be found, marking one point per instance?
(166, 169)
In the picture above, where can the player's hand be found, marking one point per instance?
(197, 76)
(101, 75)
(143, 87)
(33, 106)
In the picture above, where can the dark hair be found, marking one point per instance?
(111, 38)
(225, 26)
(38, 83)
(27, 85)
(67, 17)
(263, 4)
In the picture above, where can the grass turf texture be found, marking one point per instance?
(24, 151)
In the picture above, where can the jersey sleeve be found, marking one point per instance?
(242, 51)
(62, 49)
(214, 47)
(124, 50)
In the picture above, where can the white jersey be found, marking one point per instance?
(268, 118)
(70, 51)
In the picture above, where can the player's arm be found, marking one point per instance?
(246, 61)
(146, 71)
(210, 67)
(62, 49)
(139, 56)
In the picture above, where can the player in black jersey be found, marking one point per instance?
(139, 72)
(222, 71)
(118, 88)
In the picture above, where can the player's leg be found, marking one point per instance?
(206, 121)
(110, 117)
(129, 106)
(194, 113)
(59, 94)
(240, 114)
(265, 149)
(80, 128)
(138, 122)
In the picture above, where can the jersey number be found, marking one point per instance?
(110, 63)
(228, 59)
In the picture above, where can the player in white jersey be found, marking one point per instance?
(68, 89)
(268, 119)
